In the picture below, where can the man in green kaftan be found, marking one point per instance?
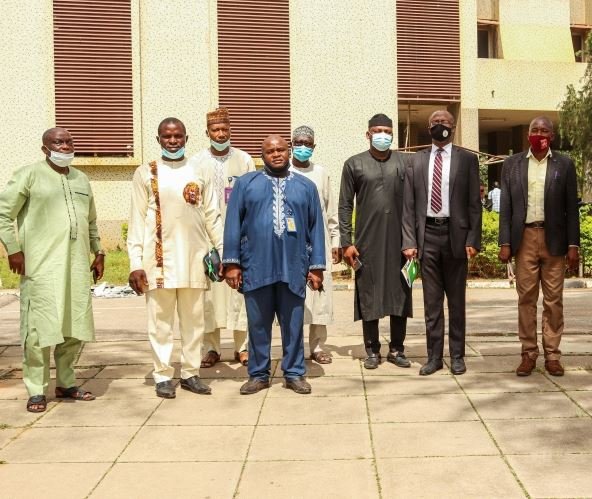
(56, 231)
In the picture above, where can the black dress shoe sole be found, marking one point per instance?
(198, 391)
(299, 390)
(458, 372)
(430, 371)
(397, 363)
(166, 395)
(254, 391)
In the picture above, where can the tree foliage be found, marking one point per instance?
(575, 125)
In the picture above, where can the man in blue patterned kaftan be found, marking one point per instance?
(274, 245)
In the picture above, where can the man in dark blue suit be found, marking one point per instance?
(539, 225)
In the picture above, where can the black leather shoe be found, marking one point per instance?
(372, 361)
(398, 358)
(254, 385)
(166, 389)
(431, 367)
(299, 385)
(195, 385)
(457, 366)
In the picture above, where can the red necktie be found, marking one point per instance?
(436, 201)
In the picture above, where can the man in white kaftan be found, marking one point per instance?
(174, 216)
(318, 306)
(225, 307)
(54, 209)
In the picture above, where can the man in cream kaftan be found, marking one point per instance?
(54, 208)
(318, 307)
(174, 216)
(225, 307)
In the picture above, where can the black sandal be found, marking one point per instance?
(37, 400)
(73, 393)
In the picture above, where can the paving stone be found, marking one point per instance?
(206, 410)
(339, 367)
(543, 436)
(126, 388)
(505, 383)
(290, 479)
(63, 445)
(411, 408)
(99, 413)
(14, 413)
(410, 385)
(311, 410)
(176, 444)
(448, 477)
(462, 438)
(324, 386)
(145, 480)
(140, 371)
(574, 380)
(310, 443)
(7, 434)
(81, 373)
(510, 348)
(388, 369)
(534, 472)
(584, 399)
(573, 362)
(31, 481)
(525, 405)
(493, 363)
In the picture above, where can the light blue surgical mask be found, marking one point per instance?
(302, 153)
(218, 146)
(382, 141)
(178, 154)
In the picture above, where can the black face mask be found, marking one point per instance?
(440, 132)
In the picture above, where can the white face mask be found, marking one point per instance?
(61, 159)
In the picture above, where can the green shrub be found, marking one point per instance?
(486, 263)
(124, 232)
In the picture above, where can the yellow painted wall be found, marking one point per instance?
(467, 132)
(343, 71)
(536, 30)
(26, 82)
(523, 84)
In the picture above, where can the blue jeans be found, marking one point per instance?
(262, 305)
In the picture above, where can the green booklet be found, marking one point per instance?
(410, 270)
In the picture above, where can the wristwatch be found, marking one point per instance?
(100, 252)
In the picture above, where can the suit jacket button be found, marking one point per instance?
(387, 211)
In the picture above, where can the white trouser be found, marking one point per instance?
(160, 305)
(211, 341)
(317, 336)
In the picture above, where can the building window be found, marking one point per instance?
(578, 39)
(254, 69)
(93, 75)
(487, 40)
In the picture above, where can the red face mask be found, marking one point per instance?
(539, 143)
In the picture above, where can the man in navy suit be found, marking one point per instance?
(539, 225)
(442, 227)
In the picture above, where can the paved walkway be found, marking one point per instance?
(368, 434)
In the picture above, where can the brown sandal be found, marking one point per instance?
(242, 357)
(210, 359)
(321, 357)
(37, 403)
(74, 393)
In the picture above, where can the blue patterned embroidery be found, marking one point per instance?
(230, 260)
(316, 267)
(279, 202)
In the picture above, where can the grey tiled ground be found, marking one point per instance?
(370, 434)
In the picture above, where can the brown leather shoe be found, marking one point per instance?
(526, 366)
(554, 367)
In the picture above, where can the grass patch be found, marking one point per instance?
(116, 270)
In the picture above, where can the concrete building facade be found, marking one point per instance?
(342, 69)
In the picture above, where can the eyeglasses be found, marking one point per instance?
(440, 122)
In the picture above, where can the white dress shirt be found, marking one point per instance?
(445, 211)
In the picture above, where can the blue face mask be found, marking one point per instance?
(382, 141)
(218, 146)
(173, 155)
(302, 153)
